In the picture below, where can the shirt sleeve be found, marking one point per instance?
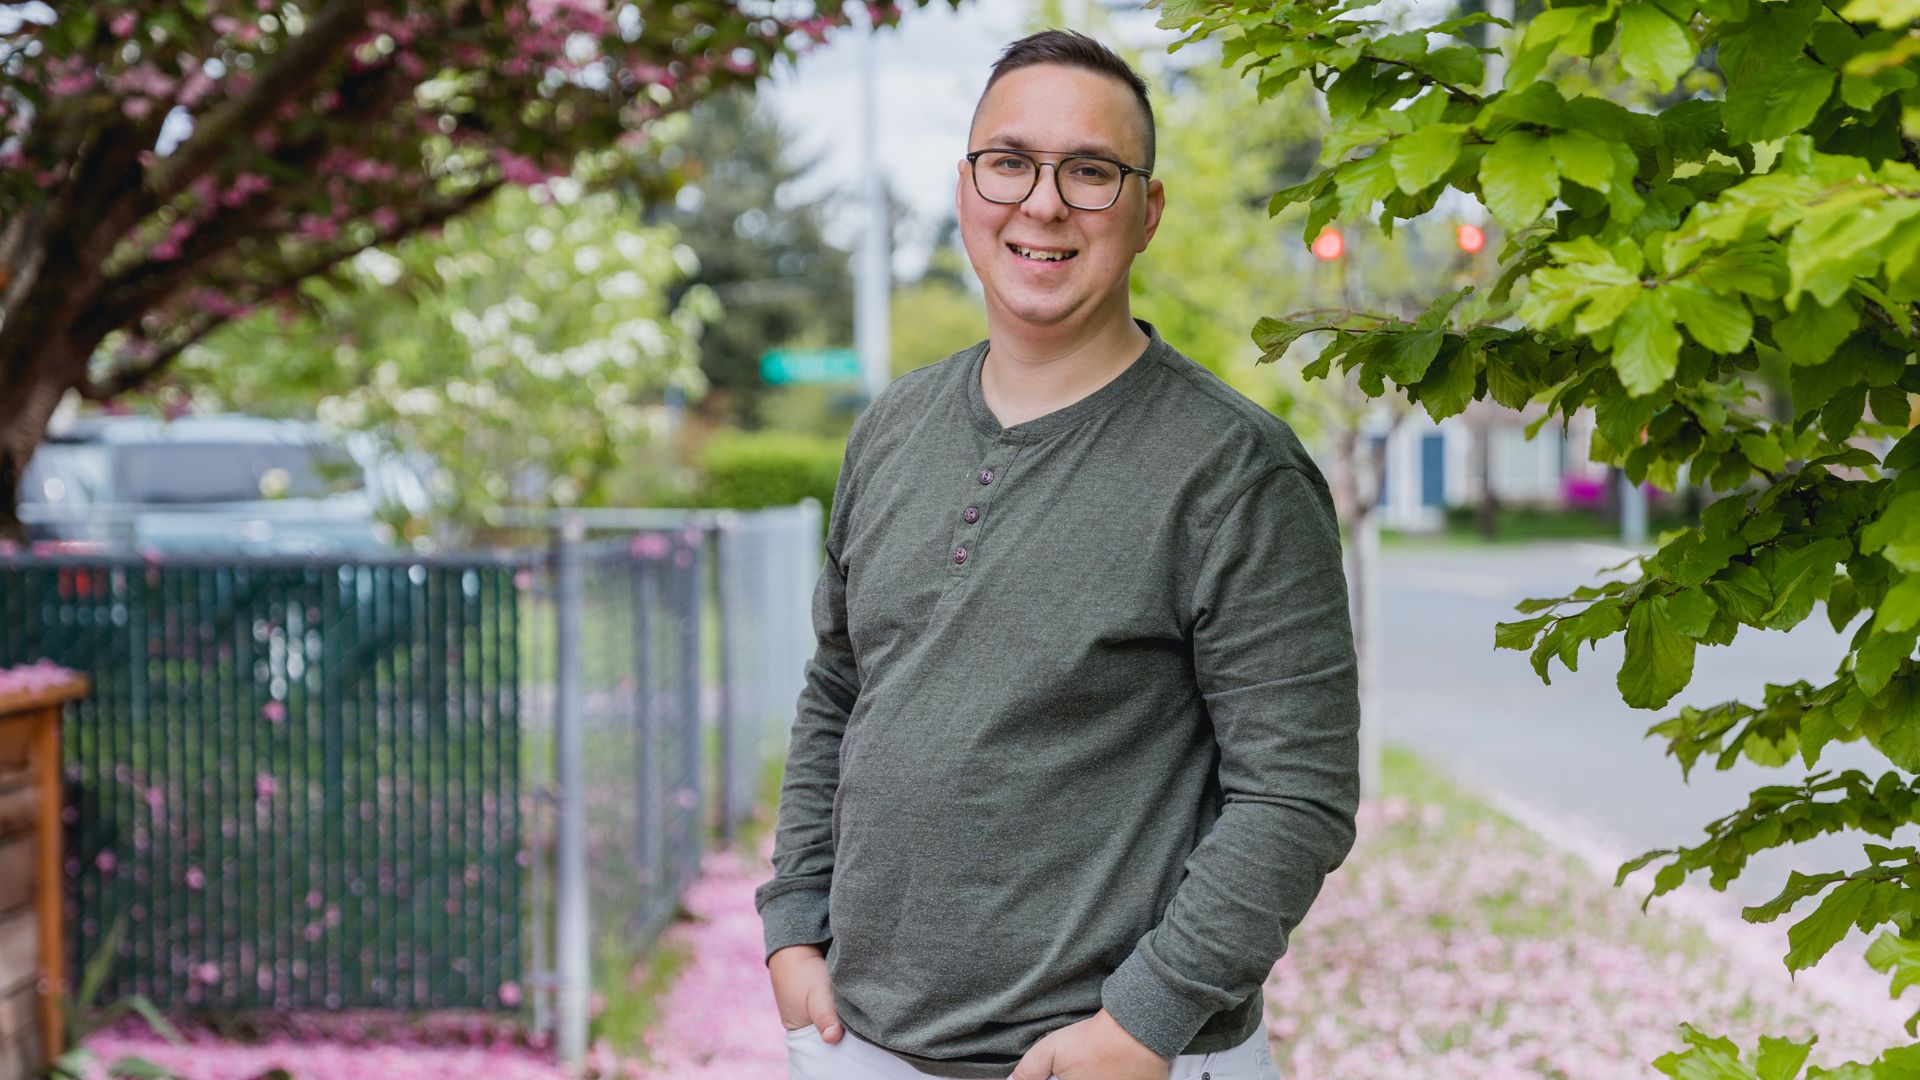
(1274, 659)
(793, 905)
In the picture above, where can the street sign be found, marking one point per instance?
(810, 365)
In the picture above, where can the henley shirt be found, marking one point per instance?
(1081, 726)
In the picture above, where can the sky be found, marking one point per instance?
(929, 72)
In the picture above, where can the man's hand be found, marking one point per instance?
(802, 991)
(1096, 1048)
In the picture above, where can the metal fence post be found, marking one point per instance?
(570, 886)
(723, 601)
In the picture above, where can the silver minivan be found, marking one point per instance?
(215, 483)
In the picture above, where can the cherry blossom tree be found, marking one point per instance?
(165, 168)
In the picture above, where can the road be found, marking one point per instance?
(1573, 747)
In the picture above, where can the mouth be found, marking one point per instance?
(1044, 255)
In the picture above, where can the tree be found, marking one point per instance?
(167, 168)
(762, 255)
(1654, 258)
(524, 349)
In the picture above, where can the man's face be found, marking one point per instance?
(1052, 110)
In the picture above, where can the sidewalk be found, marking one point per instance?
(1455, 944)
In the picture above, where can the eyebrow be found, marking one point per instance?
(1015, 142)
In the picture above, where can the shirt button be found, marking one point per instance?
(959, 554)
(971, 514)
(986, 476)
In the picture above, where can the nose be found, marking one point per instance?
(1044, 201)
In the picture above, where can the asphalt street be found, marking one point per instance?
(1574, 748)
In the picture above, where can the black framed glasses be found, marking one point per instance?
(1084, 181)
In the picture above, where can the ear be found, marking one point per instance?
(959, 186)
(1156, 204)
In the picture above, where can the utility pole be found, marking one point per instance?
(873, 277)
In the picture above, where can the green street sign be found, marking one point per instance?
(810, 365)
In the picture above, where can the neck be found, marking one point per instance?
(1030, 372)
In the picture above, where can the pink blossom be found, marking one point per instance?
(263, 786)
(105, 861)
(78, 82)
(195, 879)
(208, 973)
(274, 711)
(121, 25)
(517, 169)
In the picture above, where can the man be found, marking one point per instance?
(1078, 745)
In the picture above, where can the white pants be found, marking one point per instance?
(810, 1057)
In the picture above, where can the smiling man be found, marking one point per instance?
(1079, 741)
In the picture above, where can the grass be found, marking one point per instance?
(632, 980)
(1523, 524)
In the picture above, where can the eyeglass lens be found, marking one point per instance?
(1083, 183)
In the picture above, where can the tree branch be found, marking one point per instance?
(126, 378)
(303, 59)
(1468, 94)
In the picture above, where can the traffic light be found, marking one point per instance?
(1329, 244)
(1470, 238)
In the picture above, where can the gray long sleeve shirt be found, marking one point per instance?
(1081, 728)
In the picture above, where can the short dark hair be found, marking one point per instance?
(1071, 48)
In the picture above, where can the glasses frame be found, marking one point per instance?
(973, 171)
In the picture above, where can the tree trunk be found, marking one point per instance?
(28, 397)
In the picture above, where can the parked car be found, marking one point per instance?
(213, 484)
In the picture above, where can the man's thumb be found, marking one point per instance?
(1037, 1065)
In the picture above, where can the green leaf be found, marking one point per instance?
(1781, 1059)
(1450, 380)
(1652, 46)
(1764, 452)
(1659, 660)
(1519, 635)
(1895, 534)
(1893, 953)
(1812, 937)
(1422, 157)
(1518, 178)
(1690, 611)
(1900, 609)
(1646, 344)
(1721, 323)
(1363, 182)
(1406, 356)
(1877, 660)
(1778, 102)
(1905, 453)
(1890, 14)
(1812, 333)
(1801, 577)
(1274, 336)
(1583, 158)
(1890, 406)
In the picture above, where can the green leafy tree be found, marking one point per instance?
(525, 349)
(1655, 256)
(760, 253)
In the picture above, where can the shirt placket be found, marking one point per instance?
(974, 506)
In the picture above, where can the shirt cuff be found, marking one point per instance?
(1148, 1006)
(795, 917)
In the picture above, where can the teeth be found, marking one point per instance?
(1043, 256)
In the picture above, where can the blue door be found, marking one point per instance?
(1433, 469)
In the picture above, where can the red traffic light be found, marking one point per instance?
(1470, 238)
(1329, 244)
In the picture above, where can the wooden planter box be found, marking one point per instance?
(32, 952)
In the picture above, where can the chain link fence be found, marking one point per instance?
(407, 781)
